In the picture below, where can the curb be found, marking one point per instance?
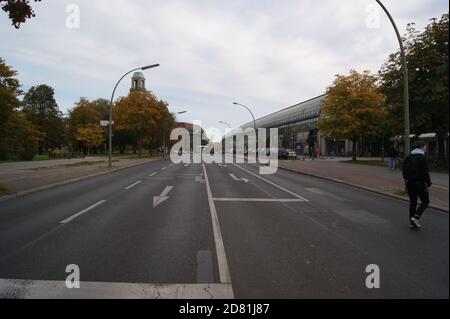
(440, 208)
(70, 181)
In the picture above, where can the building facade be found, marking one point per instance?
(297, 130)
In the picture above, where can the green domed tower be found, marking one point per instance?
(138, 82)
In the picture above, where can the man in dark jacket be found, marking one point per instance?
(392, 153)
(417, 178)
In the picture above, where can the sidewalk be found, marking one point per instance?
(22, 177)
(376, 178)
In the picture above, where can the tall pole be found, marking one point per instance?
(111, 106)
(405, 81)
(254, 122)
(226, 124)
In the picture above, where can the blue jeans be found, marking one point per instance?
(392, 163)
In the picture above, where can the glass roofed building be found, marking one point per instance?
(297, 129)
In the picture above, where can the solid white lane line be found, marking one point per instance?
(263, 200)
(65, 221)
(272, 183)
(40, 289)
(222, 263)
(132, 185)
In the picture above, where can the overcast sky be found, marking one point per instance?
(265, 54)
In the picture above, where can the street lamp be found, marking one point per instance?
(111, 105)
(254, 122)
(226, 124)
(405, 80)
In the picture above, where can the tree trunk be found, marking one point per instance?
(140, 148)
(442, 157)
(354, 141)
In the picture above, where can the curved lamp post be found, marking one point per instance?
(405, 80)
(226, 124)
(111, 105)
(254, 122)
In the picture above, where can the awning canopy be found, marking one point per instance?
(427, 135)
(399, 138)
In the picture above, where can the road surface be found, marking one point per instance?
(164, 230)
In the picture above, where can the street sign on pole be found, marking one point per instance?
(105, 123)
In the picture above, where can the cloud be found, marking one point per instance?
(267, 54)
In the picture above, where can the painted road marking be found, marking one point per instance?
(153, 174)
(239, 179)
(65, 221)
(132, 185)
(272, 183)
(224, 272)
(164, 168)
(39, 289)
(204, 267)
(263, 200)
(157, 200)
(186, 165)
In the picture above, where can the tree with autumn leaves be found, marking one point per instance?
(84, 128)
(141, 119)
(353, 108)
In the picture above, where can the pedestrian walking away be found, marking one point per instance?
(417, 179)
(392, 154)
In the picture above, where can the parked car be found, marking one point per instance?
(283, 153)
(291, 154)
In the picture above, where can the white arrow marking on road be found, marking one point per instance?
(239, 179)
(157, 200)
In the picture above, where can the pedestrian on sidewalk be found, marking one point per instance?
(418, 181)
(392, 155)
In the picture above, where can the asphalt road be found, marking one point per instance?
(162, 230)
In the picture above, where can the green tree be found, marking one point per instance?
(18, 10)
(21, 137)
(427, 58)
(102, 107)
(9, 102)
(353, 108)
(41, 109)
